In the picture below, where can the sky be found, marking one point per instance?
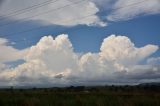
(79, 42)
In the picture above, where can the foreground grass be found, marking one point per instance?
(85, 97)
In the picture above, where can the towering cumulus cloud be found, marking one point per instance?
(53, 62)
(122, 50)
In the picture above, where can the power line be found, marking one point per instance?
(42, 27)
(25, 39)
(22, 20)
(129, 5)
(64, 31)
(22, 11)
(45, 26)
(52, 10)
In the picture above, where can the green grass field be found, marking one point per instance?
(80, 97)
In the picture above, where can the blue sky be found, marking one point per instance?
(91, 42)
(142, 30)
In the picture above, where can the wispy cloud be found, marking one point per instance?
(72, 13)
(8, 53)
(62, 12)
(129, 9)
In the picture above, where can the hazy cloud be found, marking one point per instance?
(129, 9)
(1, 1)
(154, 60)
(8, 53)
(69, 16)
(80, 12)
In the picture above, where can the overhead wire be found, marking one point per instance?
(37, 28)
(47, 12)
(52, 10)
(27, 9)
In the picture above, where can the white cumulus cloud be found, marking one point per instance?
(120, 49)
(53, 62)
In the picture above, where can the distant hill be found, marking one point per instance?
(150, 84)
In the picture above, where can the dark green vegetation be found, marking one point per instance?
(82, 96)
